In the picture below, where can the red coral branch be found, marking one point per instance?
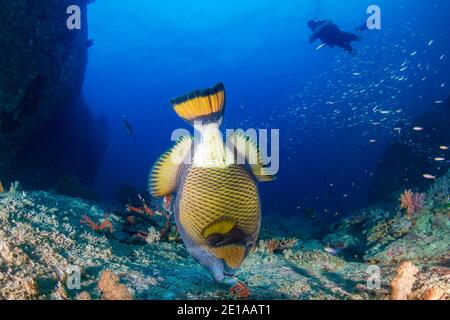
(105, 225)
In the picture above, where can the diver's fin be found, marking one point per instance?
(221, 226)
(163, 176)
(244, 146)
(201, 105)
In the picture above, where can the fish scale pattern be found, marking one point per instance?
(212, 193)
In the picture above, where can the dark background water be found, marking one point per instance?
(146, 52)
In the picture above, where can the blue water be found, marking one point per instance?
(146, 52)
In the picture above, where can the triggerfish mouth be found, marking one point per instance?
(217, 203)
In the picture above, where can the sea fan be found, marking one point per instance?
(412, 202)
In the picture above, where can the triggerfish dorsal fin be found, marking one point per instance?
(244, 146)
(163, 176)
(205, 105)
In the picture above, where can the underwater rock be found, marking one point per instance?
(72, 145)
(403, 164)
(389, 235)
(128, 195)
(42, 239)
(43, 66)
(70, 186)
(401, 227)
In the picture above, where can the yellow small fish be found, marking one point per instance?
(443, 147)
(439, 159)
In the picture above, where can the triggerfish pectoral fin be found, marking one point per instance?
(163, 176)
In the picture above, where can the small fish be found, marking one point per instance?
(321, 46)
(430, 43)
(443, 147)
(439, 102)
(286, 268)
(418, 129)
(439, 159)
(331, 250)
(356, 74)
(372, 141)
(127, 127)
(414, 53)
(429, 176)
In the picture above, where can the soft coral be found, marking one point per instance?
(412, 202)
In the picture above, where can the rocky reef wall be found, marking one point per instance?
(43, 66)
(408, 158)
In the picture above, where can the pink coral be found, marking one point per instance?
(412, 202)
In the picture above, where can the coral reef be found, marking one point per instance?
(111, 289)
(412, 202)
(42, 242)
(274, 245)
(403, 283)
(403, 163)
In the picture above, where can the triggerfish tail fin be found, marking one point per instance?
(232, 255)
(205, 105)
(244, 146)
(163, 176)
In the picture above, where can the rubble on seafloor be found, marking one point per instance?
(56, 247)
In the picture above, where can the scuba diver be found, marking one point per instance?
(362, 27)
(331, 35)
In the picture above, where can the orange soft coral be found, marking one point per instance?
(105, 225)
(412, 202)
(403, 283)
(111, 289)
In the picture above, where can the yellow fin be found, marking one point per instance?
(205, 105)
(248, 148)
(163, 176)
(221, 226)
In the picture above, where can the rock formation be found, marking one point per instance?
(43, 66)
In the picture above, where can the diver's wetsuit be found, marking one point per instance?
(331, 35)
